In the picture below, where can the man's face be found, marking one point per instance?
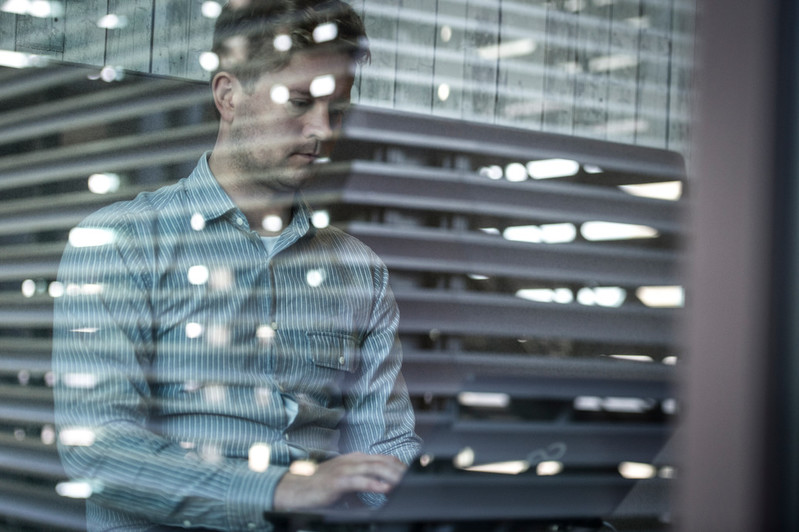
(286, 122)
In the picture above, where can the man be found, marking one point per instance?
(212, 340)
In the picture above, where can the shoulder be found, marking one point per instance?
(143, 210)
(347, 246)
(127, 231)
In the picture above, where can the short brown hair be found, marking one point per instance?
(260, 22)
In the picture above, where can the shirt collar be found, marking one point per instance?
(301, 215)
(205, 193)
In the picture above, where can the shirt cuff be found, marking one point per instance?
(250, 495)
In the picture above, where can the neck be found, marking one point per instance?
(267, 210)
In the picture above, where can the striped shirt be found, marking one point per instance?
(193, 367)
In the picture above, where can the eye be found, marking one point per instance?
(298, 106)
(337, 113)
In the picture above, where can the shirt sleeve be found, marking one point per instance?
(380, 417)
(103, 342)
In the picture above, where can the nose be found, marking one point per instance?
(317, 124)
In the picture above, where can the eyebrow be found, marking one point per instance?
(343, 100)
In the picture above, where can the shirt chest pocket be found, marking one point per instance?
(333, 350)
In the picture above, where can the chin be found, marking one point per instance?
(288, 179)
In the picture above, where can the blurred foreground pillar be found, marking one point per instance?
(739, 379)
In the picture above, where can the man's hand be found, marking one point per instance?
(335, 478)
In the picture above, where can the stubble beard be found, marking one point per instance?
(272, 174)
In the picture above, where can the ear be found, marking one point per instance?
(223, 87)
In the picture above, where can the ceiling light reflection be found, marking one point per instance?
(265, 333)
(628, 405)
(20, 60)
(325, 32)
(484, 399)
(34, 8)
(74, 489)
(493, 172)
(104, 183)
(221, 278)
(558, 233)
(515, 172)
(211, 9)
(547, 295)
(112, 21)
(443, 92)
(446, 33)
(198, 274)
(259, 457)
(667, 190)
(56, 289)
(76, 437)
(90, 236)
(315, 278)
(320, 219)
(112, 73)
(45, 9)
(48, 435)
(508, 49)
(667, 472)
(592, 169)
(661, 296)
(513, 467)
(282, 43)
(522, 233)
(17, 7)
(194, 330)
(608, 63)
(669, 406)
(218, 335)
(28, 288)
(197, 221)
(279, 94)
(323, 86)
(549, 468)
(85, 381)
(548, 233)
(303, 468)
(214, 393)
(272, 223)
(464, 459)
(598, 231)
(603, 296)
(209, 61)
(633, 358)
(637, 470)
(552, 168)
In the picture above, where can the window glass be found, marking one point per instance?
(511, 178)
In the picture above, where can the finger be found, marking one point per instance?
(380, 460)
(355, 483)
(379, 467)
(388, 473)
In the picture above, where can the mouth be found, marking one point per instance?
(304, 157)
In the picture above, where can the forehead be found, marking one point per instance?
(306, 67)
